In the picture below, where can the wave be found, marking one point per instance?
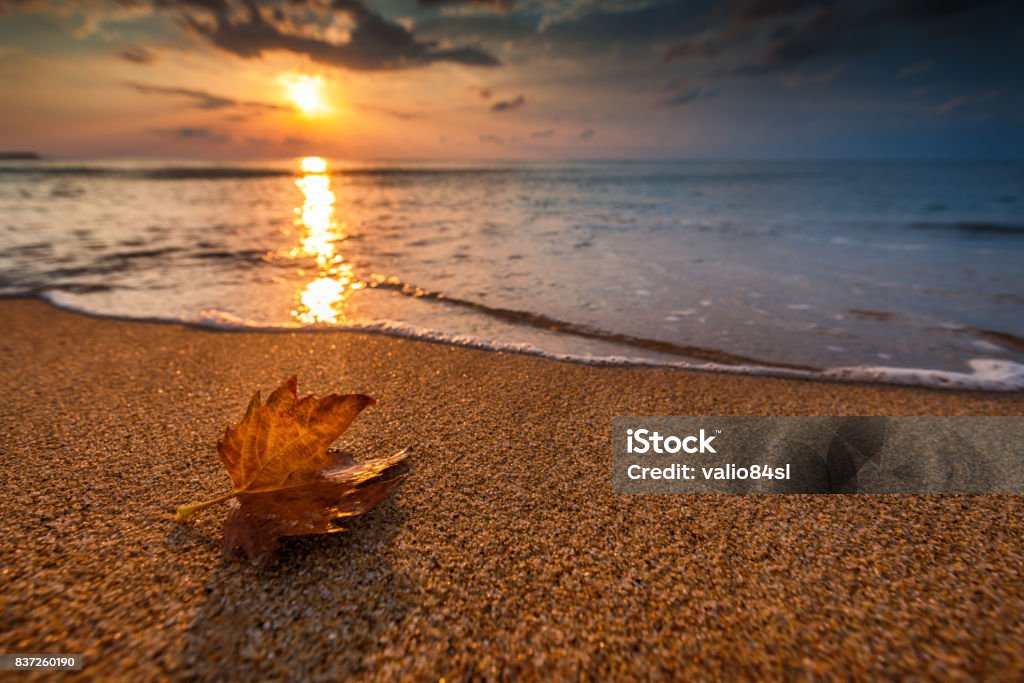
(986, 374)
(549, 324)
(972, 227)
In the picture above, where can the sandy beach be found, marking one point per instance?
(503, 555)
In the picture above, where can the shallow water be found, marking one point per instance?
(904, 272)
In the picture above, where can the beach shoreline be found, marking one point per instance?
(983, 375)
(504, 554)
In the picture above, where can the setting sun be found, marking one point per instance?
(306, 93)
(313, 165)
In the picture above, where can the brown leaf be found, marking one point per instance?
(286, 481)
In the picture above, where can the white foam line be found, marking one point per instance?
(987, 374)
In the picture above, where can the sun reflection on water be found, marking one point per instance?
(323, 299)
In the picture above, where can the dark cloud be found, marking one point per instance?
(698, 48)
(249, 28)
(801, 78)
(686, 95)
(515, 28)
(137, 55)
(824, 31)
(508, 105)
(931, 10)
(202, 99)
(587, 134)
(542, 134)
(788, 33)
(387, 111)
(797, 26)
(865, 11)
(638, 23)
(484, 93)
(749, 11)
(575, 30)
(195, 134)
(498, 5)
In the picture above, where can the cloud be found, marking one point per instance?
(915, 69)
(542, 134)
(202, 99)
(696, 48)
(249, 28)
(802, 78)
(483, 92)
(81, 19)
(542, 30)
(686, 95)
(952, 105)
(788, 33)
(823, 32)
(508, 105)
(137, 55)
(749, 11)
(18, 66)
(195, 134)
(601, 23)
(587, 134)
(956, 103)
(500, 6)
(387, 111)
(492, 140)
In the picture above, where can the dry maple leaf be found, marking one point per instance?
(286, 481)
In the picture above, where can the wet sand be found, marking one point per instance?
(503, 555)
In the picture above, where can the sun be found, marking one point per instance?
(306, 93)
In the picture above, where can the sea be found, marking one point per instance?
(896, 272)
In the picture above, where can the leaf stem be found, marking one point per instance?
(186, 511)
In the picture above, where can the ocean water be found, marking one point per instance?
(894, 272)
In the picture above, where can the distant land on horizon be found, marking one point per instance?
(229, 159)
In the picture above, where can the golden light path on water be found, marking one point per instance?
(323, 299)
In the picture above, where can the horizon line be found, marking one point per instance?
(39, 157)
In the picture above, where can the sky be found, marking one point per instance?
(513, 79)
